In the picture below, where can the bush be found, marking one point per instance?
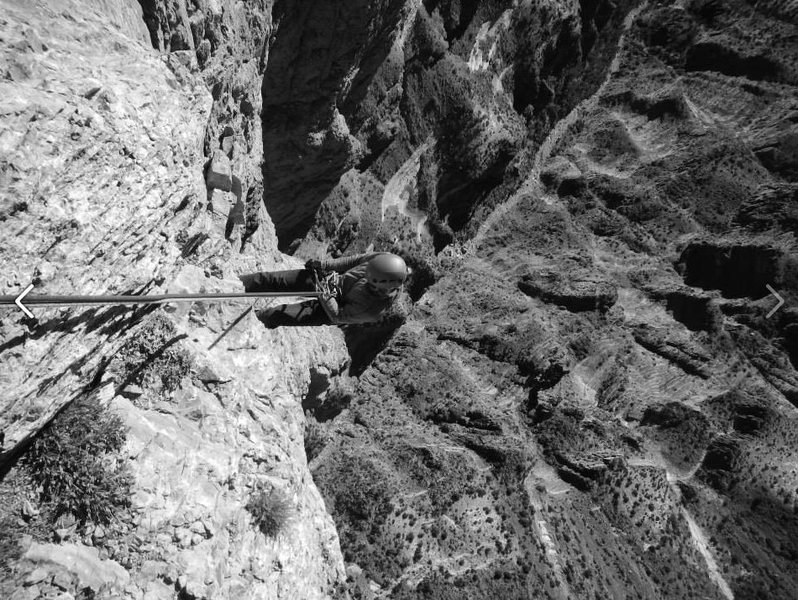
(151, 358)
(73, 461)
(315, 439)
(270, 511)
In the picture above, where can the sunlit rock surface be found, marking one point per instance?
(593, 396)
(103, 144)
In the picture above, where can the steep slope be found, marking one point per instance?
(592, 397)
(118, 174)
(592, 400)
(446, 120)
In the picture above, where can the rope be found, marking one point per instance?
(48, 300)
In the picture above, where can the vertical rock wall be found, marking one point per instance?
(319, 56)
(226, 44)
(122, 170)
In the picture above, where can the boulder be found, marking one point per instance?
(84, 563)
(219, 175)
(576, 290)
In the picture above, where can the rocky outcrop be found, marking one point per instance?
(112, 153)
(603, 293)
(592, 395)
(226, 44)
(574, 293)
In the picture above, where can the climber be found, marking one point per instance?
(354, 289)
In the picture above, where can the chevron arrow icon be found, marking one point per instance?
(779, 298)
(18, 301)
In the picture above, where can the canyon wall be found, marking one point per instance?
(132, 169)
(592, 397)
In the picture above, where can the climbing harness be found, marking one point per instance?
(328, 284)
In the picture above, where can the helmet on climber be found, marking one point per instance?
(385, 273)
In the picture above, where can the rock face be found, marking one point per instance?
(592, 396)
(111, 154)
(225, 44)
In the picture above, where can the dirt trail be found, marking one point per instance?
(700, 541)
(398, 190)
(699, 538)
(542, 530)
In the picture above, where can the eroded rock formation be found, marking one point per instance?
(592, 396)
(547, 424)
(111, 183)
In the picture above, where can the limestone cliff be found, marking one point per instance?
(121, 166)
(593, 396)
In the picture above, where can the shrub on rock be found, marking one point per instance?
(270, 511)
(75, 463)
(153, 358)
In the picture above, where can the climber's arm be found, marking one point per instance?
(343, 264)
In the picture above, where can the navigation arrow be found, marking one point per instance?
(779, 298)
(18, 301)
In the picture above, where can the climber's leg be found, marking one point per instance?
(302, 314)
(295, 280)
(311, 313)
(275, 316)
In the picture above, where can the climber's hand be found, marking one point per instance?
(313, 264)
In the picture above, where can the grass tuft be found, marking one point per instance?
(270, 511)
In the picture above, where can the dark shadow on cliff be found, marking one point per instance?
(365, 342)
(108, 321)
(304, 150)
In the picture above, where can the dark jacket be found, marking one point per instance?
(355, 303)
